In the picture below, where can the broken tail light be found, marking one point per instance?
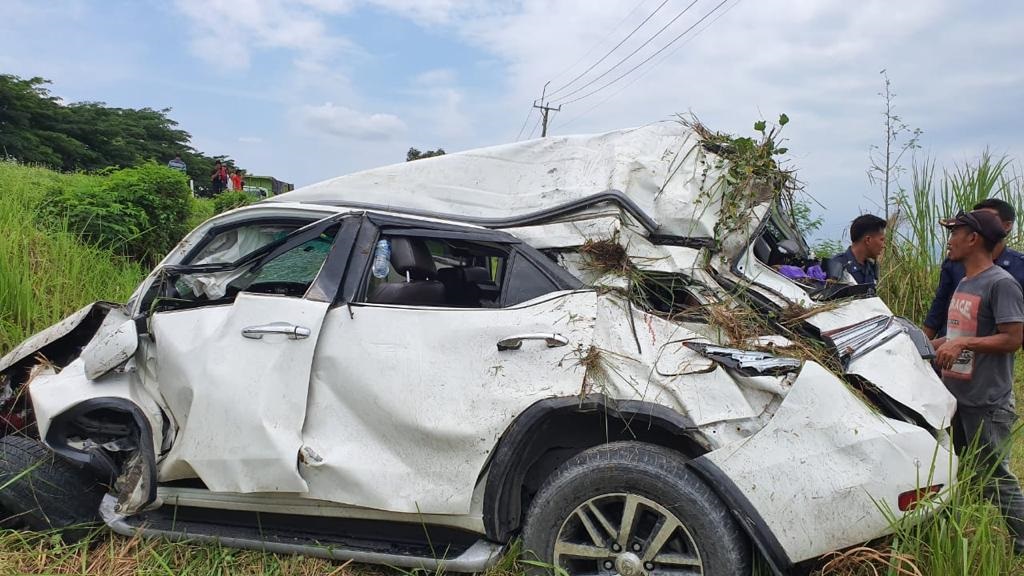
(909, 499)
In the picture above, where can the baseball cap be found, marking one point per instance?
(983, 222)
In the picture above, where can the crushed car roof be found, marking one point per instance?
(661, 168)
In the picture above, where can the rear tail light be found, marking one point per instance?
(909, 499)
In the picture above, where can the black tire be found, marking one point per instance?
(655, 483)
(43, 491)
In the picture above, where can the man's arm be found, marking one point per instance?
(1006, 340)
(936, 316)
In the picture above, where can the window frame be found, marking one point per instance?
(376, 226)
(324, 285)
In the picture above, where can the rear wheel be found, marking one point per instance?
(633, 509)
(43, 491)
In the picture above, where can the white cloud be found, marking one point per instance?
(225, 32)
(250, 139)
(347, 123)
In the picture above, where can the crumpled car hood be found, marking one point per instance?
(83, 324)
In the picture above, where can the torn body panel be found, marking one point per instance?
(428, 392)
(114, 343)
(853, 463)
(890, 359)
(644, 357)
(237, 402)
(111, 425)
(64, 338)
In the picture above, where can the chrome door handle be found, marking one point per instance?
(292, 331)
(516, 342)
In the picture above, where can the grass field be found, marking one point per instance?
(46, 273)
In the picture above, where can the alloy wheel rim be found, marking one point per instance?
(627, 535)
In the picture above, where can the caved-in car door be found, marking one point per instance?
(233, 351)
(414, 383)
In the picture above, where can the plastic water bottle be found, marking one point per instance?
(382, 259)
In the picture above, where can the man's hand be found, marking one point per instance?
(947, 352)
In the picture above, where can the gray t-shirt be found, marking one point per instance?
(980, 303)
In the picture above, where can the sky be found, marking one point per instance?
(305, 90)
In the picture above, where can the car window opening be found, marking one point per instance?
(452, 273)
(290, 273)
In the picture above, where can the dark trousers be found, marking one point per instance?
(988, 430)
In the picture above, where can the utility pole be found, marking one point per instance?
(544, 109)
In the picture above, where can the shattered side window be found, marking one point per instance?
(289, 274)
(231, 245)
(296, 268)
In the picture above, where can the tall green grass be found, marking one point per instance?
(47, 273)
(910, 265)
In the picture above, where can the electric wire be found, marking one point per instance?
(610, 52)
(651, 68)
(598, 43)
(525, 121)
(535, 126)
(630, 55)
(649, 58)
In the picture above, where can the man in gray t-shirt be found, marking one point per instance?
(984, 327)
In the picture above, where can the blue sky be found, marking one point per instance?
(310, 89)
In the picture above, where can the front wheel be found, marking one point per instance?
(633, 509)
(44, 491)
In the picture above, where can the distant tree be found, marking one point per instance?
(36, 127)
(414, 154)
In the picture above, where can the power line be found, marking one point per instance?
(609, 53)
(599, 42)
(630, 55)
(696, 34)
(525, 120)
(649, 58)
(534, 131)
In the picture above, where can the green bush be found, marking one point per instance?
(229, 200)
(142, 212)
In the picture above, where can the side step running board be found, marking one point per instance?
(476, 558)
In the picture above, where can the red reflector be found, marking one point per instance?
(910, 498)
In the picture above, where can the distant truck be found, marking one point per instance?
(268, 183)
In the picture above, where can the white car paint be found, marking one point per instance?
(406, 403)
(853, 465)
(238, 403)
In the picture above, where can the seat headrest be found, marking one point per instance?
(411, 255)
(476, 274)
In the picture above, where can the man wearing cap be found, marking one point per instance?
(984, 327)
(952, 272)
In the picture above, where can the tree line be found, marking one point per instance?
(37, 127)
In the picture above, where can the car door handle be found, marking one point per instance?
(292, 331)
(516, 342)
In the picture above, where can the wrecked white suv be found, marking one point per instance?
(583, 342)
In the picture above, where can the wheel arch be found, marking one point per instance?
(104, 418)
(553, 430)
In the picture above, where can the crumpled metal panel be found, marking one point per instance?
(680, 379)
(407, 403)
(54, 393)
(892, 362)
(662, 167)
(848, 461)
(114, 343)
(42, 338)
(238, 403)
